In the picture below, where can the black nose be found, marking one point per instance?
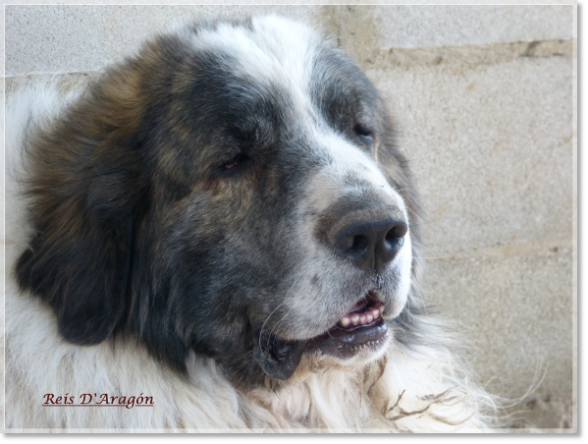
(370, 244)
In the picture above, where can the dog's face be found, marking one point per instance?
(234, 190)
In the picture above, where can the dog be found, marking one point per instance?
(220, 233)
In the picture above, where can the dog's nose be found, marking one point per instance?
(370, 244)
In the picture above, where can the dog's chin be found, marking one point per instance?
(361, 346)
(360, 336)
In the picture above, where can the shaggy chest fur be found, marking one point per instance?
(402, 393)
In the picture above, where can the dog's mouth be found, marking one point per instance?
(362, 328)
(365, 313)
(362, 324)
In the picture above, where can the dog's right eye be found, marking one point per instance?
(364, 133)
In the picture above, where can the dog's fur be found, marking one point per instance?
(182, 241)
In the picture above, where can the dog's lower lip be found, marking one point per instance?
(360, 335)
(374, 331)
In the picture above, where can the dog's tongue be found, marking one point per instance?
(278, 359)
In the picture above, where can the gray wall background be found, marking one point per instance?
(484, 100)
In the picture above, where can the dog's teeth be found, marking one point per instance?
(375, 313)
(362, 319)
(344, 321)
(354, 319)
(369, 317)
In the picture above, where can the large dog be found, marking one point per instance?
(222, 230)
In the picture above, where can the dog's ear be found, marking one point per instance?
(86, 189)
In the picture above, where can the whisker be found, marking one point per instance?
(265, 322)
(277, 326)
(437, 257)
(419, 293)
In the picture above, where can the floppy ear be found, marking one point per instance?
(86, 190)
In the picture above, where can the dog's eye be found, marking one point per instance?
(364, 133)
(235, 162)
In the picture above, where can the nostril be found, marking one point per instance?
(360, 243)
(395, 235)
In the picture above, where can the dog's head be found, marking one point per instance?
(234, 189)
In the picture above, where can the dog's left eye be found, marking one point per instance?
(235, 162)
(364, 133)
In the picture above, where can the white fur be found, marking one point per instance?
(275, 50)
(419, 391)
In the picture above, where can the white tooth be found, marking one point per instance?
(354, 319)
(375, 313)
(344, 321)
(370, 318)
(362, 319)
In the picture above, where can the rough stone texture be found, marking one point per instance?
(519, 309)
(543, 414)
(85, 38)
(491, 148)
(417, 26)
(485, 105)
(465, 56)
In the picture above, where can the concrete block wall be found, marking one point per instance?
(484, 100)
